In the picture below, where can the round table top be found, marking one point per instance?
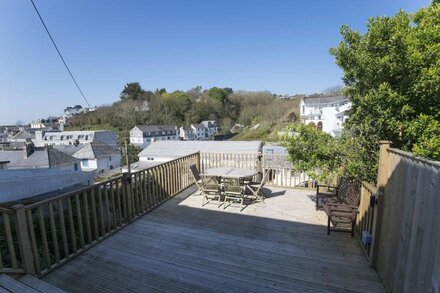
(227, 172)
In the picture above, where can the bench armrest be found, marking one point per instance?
(328, 186)
(341, 205)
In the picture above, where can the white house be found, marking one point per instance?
(199, 130)
(211, 127)
(96, 157)
(326, 113)
(29, 158)
(72, 111)
(143, 135)
(74, 138)
(187, 133)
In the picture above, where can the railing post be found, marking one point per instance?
(128, 192)
(24, 242)
(382, 180)
(260, 167)
(198, 161)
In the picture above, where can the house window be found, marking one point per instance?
(85, 163)
(75, 166)
(110, 158)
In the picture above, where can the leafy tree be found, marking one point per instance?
(220, 94)
(132, 90)
(314, 151)
(392, 77)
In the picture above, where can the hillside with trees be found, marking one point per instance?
(264, 112)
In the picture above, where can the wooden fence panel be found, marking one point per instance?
(408, 256)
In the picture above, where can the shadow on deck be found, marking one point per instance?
(279, 245)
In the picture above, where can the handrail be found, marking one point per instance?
(6, 211)
(70, 193)
(369, 187)
(412, 156)
(54, 230)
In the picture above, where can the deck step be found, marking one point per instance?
(25, 284)
(39, 284)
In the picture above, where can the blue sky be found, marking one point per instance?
(280, 46)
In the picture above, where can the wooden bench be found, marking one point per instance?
(342, 203)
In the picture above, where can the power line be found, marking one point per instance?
(59, 53)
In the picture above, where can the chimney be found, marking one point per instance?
(28, 150)
(39, 138)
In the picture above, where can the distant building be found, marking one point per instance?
(326, 113)
(22, 136)
(8, 131)
(143, 135)
(29, 158)
(211, 127)
(199, 130)
(274, 149)
(50, 124)
(72, 111)
(187, 133)
(97, 157)
(75, 137)
(76, 110)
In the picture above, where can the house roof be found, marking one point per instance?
(95, 150)
(207, 122)
(323, 100)
(156, 128)
(38, 159)
(68, 149)
(175, 149)
(187, 128)
(23, 134)
(198, 125)
(59, 158)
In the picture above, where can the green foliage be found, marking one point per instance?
(133, 152)
(220, 94)
(133, 91)
(314, 151)
(392, 76)
(426, 130)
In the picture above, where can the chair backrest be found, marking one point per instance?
(264, 179)
(349, 190)
(210, 184)
(232, 185)
(195, 172)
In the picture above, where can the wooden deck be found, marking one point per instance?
(279, 245)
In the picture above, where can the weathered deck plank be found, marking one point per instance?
(279, 245)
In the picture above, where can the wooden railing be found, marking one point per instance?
(365, 219)
(9, 250)
(283, 174)
(407, 256)
(53, 231)
(281, 171)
